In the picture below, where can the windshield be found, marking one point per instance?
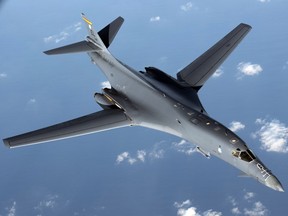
(247, 156)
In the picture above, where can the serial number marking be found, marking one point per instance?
(264, 171)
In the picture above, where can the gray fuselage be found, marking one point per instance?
(155, 100)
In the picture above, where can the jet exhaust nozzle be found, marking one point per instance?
(103, 100)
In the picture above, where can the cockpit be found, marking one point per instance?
(247, 155)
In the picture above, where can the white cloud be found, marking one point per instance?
(155, 19)
(249, 195)
(32, 101)
(235, 211)
(184, 147)
(77, 26)
(185, 209)
(273, 135)
(185, 203)
(157, 153)
(32, 105)
(3, 75)
(121, 157)
(132, 160)
(218, 73)
(263, 1)
(141, 155)
(48, 203)
(187, 212)
(64, 34)
(57, 37)
(12, 210)
(125, 156)
(236, 126)
(210, 212)
(258, 209)
(105, 84)
(248, 69)
(186, 7)
(232, 201)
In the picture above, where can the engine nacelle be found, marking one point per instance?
(102, 100)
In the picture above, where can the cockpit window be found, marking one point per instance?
(251, 154)
(247, 156)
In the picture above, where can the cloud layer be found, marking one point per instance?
(184, 147)
(155, 19)
(263, 1)
(3, 75)
(126, 157)
(273, 135)
(248, 69)
(219, 72)
(236, 126)
(105, 84)
(185, 208)
(12, 210)
(186, 7)
(157, 152)
(64, 34)
(255, 207)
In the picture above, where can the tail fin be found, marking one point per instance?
(108, 33)
(94, 41)
(93, 36)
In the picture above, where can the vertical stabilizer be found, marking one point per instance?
(108, 33)
(93, 36)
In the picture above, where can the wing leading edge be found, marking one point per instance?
(95, 122)
(199, 71)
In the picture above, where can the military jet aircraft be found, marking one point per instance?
(154, 99)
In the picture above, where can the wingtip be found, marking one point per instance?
(246, 25)
(121, 18)
(6, 143)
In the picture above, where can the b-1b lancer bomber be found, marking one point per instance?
(155, 100)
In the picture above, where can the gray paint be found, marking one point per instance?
(156, 100)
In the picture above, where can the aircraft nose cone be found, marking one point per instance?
(274, 183)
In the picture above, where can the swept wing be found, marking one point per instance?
(95, 122)
(199, 71)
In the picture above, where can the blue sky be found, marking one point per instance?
(136, 170)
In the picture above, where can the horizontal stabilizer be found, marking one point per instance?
(199, 71)
(95, 41)
(95, 122)
(83, 46)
